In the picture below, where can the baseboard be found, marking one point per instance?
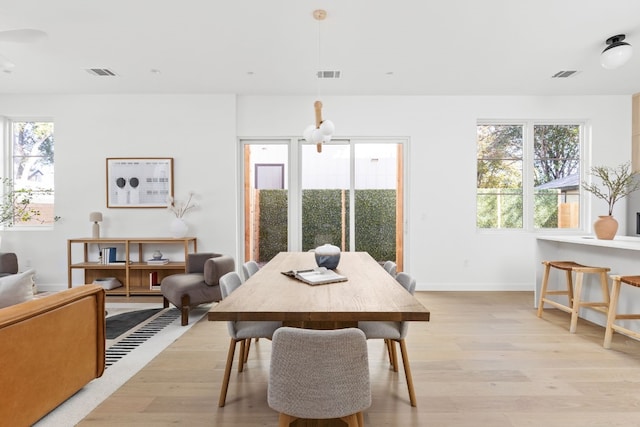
(473, 286)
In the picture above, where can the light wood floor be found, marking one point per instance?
(484, 359)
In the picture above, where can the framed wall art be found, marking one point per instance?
(145, 182)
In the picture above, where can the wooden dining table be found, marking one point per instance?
(370, 293)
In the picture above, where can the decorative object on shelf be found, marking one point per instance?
(95, 218)
(323, 130)
(617, 183)
(156, 254)
(327, 256)
(179, 209)
(617, 52)
(178, 226)
(139, 182)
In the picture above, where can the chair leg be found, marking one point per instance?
(284, 420)
(351, 420)
(243, 346)
(407, 372)
(246, 350)
(227, 373)
(543, 289)
(570, 287)
(360, 419)
(185, 301)
(394, 355)
(576, 302)
(165, 302)
(388, 346)
(611, 316)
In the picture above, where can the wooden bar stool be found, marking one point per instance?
(573, 295)
(613, 315)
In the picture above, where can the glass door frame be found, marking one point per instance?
(294, 182)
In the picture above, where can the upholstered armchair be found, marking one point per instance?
(8, 263)
(199, 284)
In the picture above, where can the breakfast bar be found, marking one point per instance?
(621, 255)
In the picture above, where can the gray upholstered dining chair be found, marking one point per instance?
(393, 332)
(390, 267)
(250, 268)
(319, 374)
(240, 332)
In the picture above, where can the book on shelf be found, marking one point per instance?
(316, 276)
(108, 255)
(160, 261)
(153, 281)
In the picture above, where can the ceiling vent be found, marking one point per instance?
(328, 74)
(102, 72)
(564, 74)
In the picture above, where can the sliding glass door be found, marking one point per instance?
(350, 195)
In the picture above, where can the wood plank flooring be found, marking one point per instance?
(484, 359)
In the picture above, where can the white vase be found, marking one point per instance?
(178, 228)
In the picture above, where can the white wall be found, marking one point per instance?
(444, 250)
(198, 131)
(201, 132)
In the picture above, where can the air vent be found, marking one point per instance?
(564, 74)
(102, 72)
(328, 74)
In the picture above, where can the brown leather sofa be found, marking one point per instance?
(50, 347)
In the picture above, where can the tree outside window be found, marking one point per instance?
(509, 153)
(29, 194)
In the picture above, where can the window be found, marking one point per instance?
(30, 190)
(528, 175)
(350, 195)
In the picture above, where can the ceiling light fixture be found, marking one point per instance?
(617, 52)
(322, 130)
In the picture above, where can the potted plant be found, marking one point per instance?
(617, 182)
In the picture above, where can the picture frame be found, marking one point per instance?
(139, 182)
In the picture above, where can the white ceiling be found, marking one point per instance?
(270, 47)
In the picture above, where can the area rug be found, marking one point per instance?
(118, 324)
(142, 345)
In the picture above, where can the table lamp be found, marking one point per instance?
(95, 217)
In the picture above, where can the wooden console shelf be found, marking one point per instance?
(133, 274)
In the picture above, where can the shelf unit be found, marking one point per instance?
(134, 275)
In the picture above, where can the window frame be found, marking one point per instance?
(528, 173)
(294, 185)
(7, 160)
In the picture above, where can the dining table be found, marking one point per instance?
(368, 294)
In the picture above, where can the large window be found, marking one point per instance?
(528, 175)
(28, 198)
(350, 195)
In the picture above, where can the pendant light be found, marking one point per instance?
(322, 130)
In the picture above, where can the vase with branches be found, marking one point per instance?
(616, 183)
(181, 208)
(178, 227)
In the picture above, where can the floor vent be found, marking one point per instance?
(140, 336)
(564, 74)
(102, 72)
